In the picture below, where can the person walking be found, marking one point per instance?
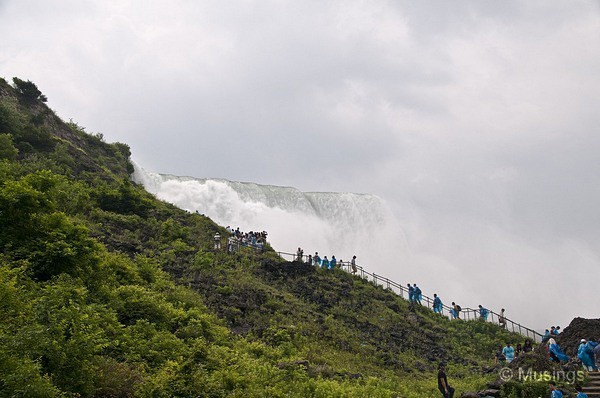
(437, 304)
(418, 294)
(317, 260)
(455, 311)
(483, 313)
(217, 241)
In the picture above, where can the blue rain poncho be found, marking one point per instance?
(411, 294)
(332, 263)
(509, 353)
(437, 305)
(483, 313)
(556, 394)
(546, 335)
(586, 354)
(324, 263)
(555, 349)
(418, 295)
(454, 313)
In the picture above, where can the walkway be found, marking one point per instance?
(467, 314)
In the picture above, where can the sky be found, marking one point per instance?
(476, 121)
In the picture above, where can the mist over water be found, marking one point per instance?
(340, 224)
(495, 269)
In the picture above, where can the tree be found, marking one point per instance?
(28, 90)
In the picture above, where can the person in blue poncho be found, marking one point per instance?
(325, 262)
(332, 262)
(546, 336)
(508, 352)
(586, 354)
(483, 313)
(455, 311)
(555, 352)
(437, 304)
(411, 293)
(555, 392)
(418, 295)
(580, 393)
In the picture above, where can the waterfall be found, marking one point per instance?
(340, 224)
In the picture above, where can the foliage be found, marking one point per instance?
(7, 149)
(106, 291)
(28, 90)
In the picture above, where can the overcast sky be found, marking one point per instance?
(477, 121)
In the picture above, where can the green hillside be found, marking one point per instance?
(108, 292)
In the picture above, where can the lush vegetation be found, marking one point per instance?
(107, 292)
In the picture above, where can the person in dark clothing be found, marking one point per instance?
(499, 356)
(527, 347)
(443, 386)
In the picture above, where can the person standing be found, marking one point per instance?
(353, 264)
(502, 319)
(332, 263)
(508, 352)
(443, 386)
(217, 241)
(499, 356)
(556, 331)
(299, 255)
(597, 356)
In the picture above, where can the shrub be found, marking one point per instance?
(7, 149)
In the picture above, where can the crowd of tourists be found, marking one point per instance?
(237, 238)
(508, 353)
(324, 262)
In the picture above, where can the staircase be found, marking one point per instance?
(592, 389)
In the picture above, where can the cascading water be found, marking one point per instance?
(340, 224)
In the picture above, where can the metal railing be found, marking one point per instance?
(466, 314)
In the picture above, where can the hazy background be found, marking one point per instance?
(477, 121)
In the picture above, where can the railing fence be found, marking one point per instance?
(467, 314)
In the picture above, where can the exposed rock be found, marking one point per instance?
(495, 385)
(579, 328)
(490, 392)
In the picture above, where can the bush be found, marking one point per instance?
(7, 149)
